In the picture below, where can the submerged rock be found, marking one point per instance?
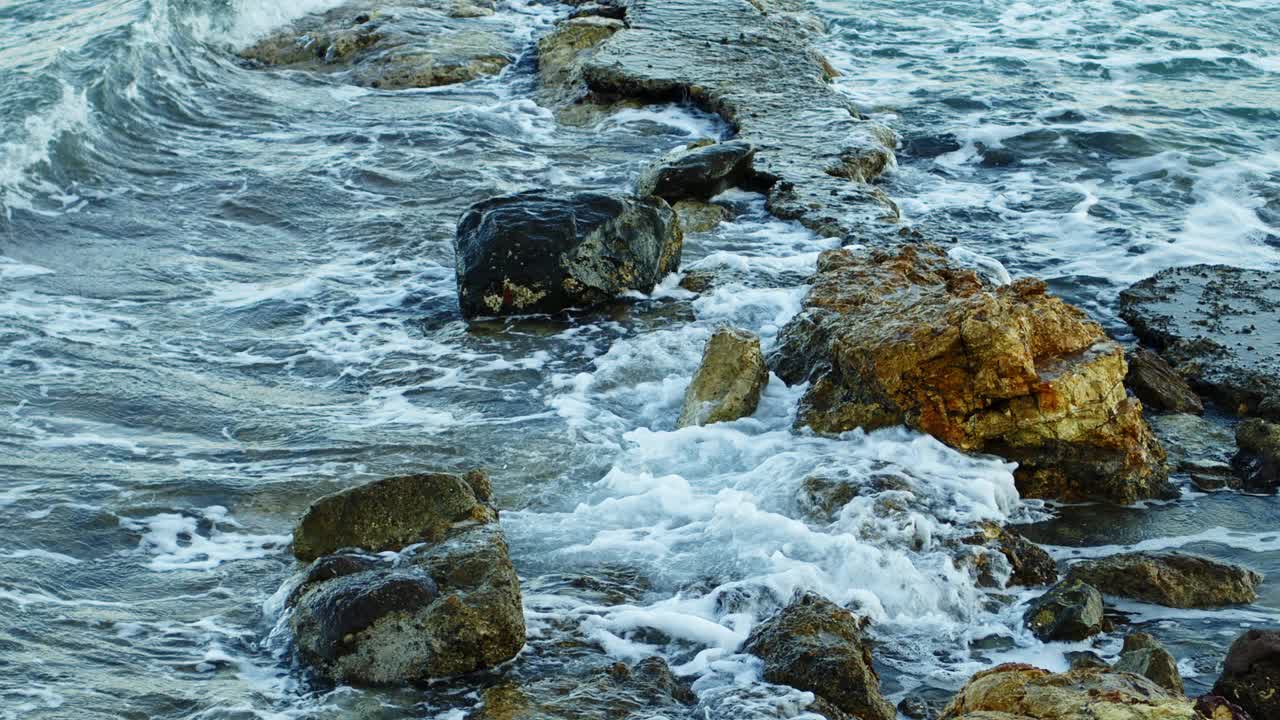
(560, 51)
(1158, 386)
(904, 337)
(1029, 564)
(697, 216)
(1023, 692)
(815, 645)
(1170, 579)
(1216, 707)
(537, 252)
(698, 173)
(1251, 675)
(1219, 326)
(1145, 656)
(728, 383)
(613, 693)
(1070, 611)
(1257, 462)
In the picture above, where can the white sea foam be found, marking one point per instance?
(179, 542)
(21, 159)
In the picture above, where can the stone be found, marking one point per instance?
(698, 173)
(1257, 460)
(560, 51)
(815, 645)
(902, 336)
(391, 513)
(824, 497)
(1029, 564)
(1070, 611)
(1219, 326)
(697, 216)
(1145, 656)
(1171, 579)
(616, 692)
(728, 383)
(539, 252)
(1023, 692)
(1216, 707)
(1251, 674)
(1158, 386)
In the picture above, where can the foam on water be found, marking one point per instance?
(200, 540)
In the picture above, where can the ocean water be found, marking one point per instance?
(226, 292)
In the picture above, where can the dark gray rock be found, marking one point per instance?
(1170, 579)
(1251, 675)
(538, 252)
(1070, 611)
(611, 693)
(698, 173)
(1029, 564)
(1257, 462)
(1158, 386)
(1144, 655)
(1219, 326)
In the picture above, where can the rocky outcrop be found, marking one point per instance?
(1216, 707)
(1251, 675)
(1069, 611)
(815, 645)
(1219, 326)
(1023, 692)
(449, 605)
(1158, 386)
(728, 383)
(1170, 579)
(1028, 563)
(538, 252)
(391, 45)
(1257, 460)
(698, 173)
(1145, 656)
(697, 216)
(903, 337)
(612, 693)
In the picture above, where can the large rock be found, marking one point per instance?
(1145, 656)
(1023, 692)
(537, 252)
(560, 51)
(1070, 611)
(1219, 326)
(814, 645)
(1158, 386)
(904, 337)
(1028, 563)
(1171, 579)
(613, 693)
(1216, 707)
(728, 383)
(698, 173)
(1257, 461)
(391, 513)
(1251, 675)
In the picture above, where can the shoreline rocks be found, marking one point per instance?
(1158, 386)
(1251, 674)
(1171, 579)
(728, 382)
(1029, 564)
(1070, 611)
(1257, 460)
(1144, 655)
(1017, 691)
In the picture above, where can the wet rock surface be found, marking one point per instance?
(1216, 707)
(538, 252)
(1024, 692)
(1251, 674)
(615, 692)
(1145, 656)
(815, 645)
(698, 173)
(1158, 386)
(903, 337)
(1069, 611)
(728, 383)
(1257, 461)
(1029, 564)
(1219, 326)
(1170, 579)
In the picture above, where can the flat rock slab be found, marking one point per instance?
(1171, 579)
(1219, 326)
(1024, 692)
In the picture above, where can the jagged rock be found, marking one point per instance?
(1251, 675)
(1070, 611)
(814, 645)
(1257, 462)
(613, 693)
(536, 252)
(697, 281)
(560, 51)
(903, 336)
(389, 46)
(728, 383)
(1145, 656)
(1029, 564)
(1023, 692)
(1171, 579)
(824, 496)
(698, 173)
(1219, 326)
(1208, 475)
(1158, 386)
(697, 216)
(391, 513)
(1216, 707)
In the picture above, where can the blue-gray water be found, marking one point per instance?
(224, 292)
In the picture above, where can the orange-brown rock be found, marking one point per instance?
(1024, 692)
(904, 337)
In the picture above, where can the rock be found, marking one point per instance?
(1030, 565)
(698, 173)
(824, 497)
(1216, 707)
(1023, 692)
(1257, 462)
(904, 337)
(617, 691)
(698, 281)
(1208, 475)
(1219, 326)
(392, 513)
(536, 252)
(1145, 656)
(560, 51)
(1069, 611)
(1086, 659)
(1170, 579)
(728, 383)
(1158, 386)
(696, 216)
(814, 645)
(1251, 674)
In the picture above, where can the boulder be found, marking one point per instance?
(1219, 326)
(1145, 656)
(815, 645)
(1216, 707)
(1170, 579)
(904, 337)
(697, 216)
(824, 497)
(1251, 674)
(1257, 460)
(698, 173)
(1070, 611)
(728, 383)
(391, 513)
(614, 692)
(1024, 692)
(1158, 386)
(538, 252)
(1029, 564)
(560, 50)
